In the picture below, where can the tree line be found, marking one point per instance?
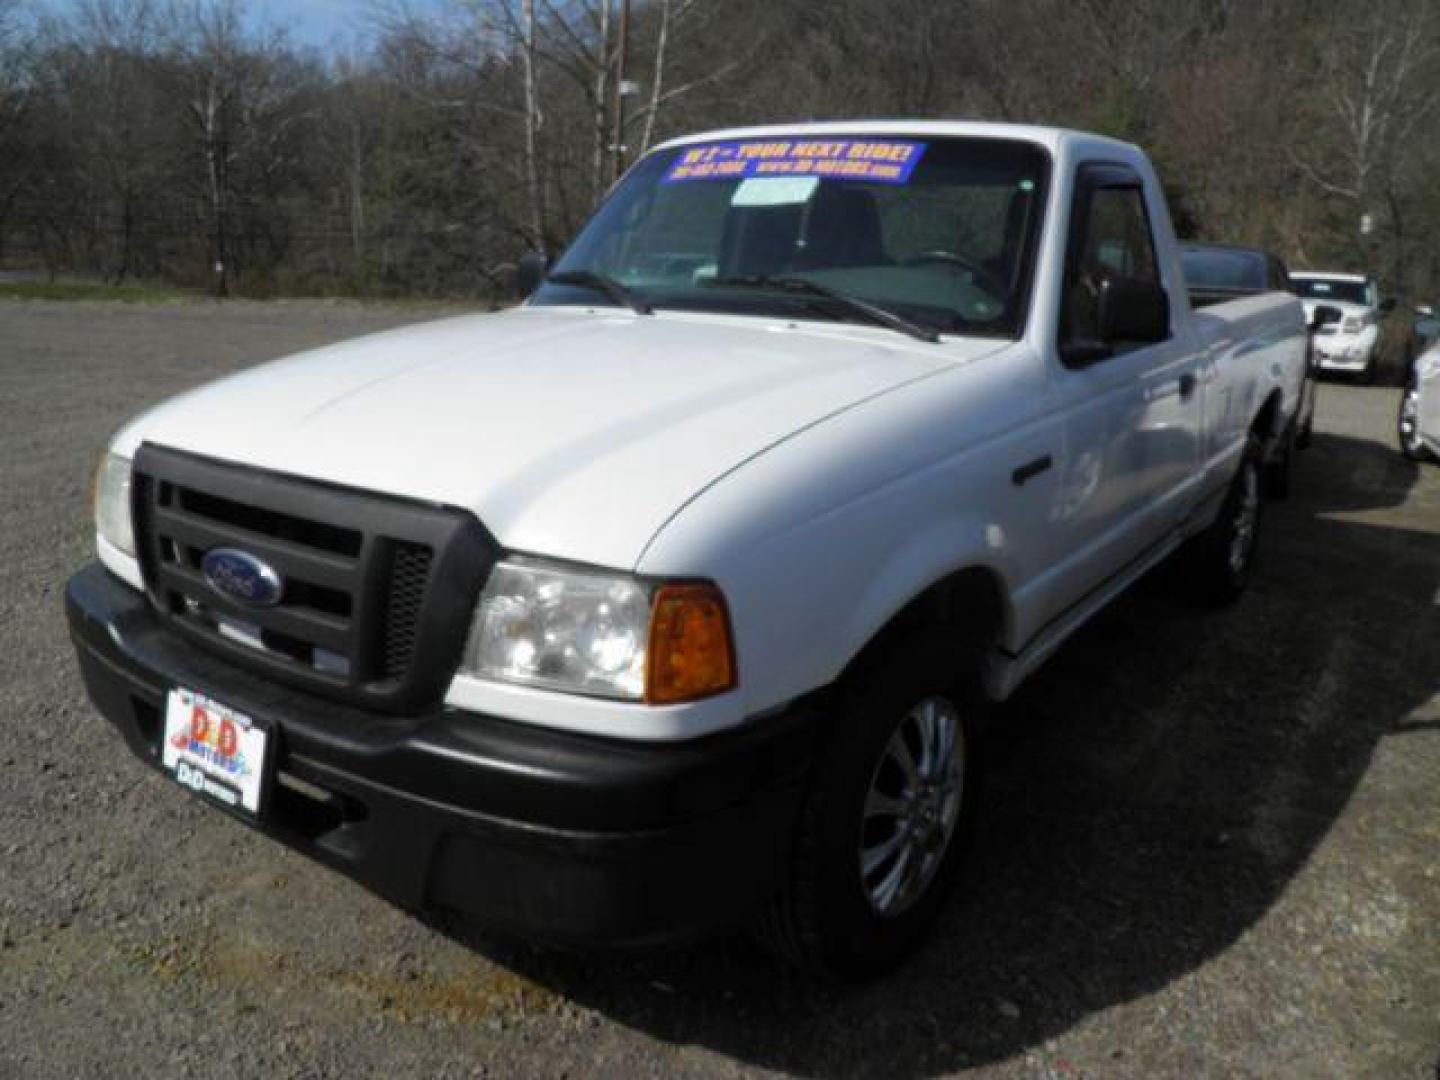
(187, 141)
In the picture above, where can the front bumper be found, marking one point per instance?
(541, 833)
(1345, 352)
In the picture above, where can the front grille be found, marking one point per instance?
(377, 592)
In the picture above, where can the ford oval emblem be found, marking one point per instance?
(240, 576)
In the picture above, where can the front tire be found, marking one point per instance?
(887, 817)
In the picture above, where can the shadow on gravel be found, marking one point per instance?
(1151, 794)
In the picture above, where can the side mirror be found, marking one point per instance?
(1387, 305)
(1324, 315)
(530, 272)
(1132, 311)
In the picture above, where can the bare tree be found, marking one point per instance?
(17, 86)
(177, 138)
(674, 19)
(1377, 78)
(113, 115)
(532, 127)
(238, 92)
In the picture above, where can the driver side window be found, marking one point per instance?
(1111, 240)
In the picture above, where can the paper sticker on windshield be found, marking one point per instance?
(877, 161)
(774, 190)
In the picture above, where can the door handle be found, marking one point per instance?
(1188, 383)
(1030, 470)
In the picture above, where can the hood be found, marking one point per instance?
(568, 432)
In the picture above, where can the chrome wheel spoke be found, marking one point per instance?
(878, 804)
(899, 752)
(945, 760)
(928, 724)
(950, 809)
(873, 857)
(888, 891)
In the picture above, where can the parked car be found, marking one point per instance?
(1418, 423)
(1351, 346)
(674, 596)
(1216, 273)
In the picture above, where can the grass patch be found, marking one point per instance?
(90, 290)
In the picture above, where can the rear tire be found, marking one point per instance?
(1221, 560)
(1278, 468)
(887, 817)
(1307, 406)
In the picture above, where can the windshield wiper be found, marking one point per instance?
(604, 283)
(873, 312)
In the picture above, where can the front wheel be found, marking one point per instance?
(1221, 559)
(887, 815)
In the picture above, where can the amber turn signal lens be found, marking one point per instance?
(691, 653)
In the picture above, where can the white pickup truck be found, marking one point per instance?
(675, 595)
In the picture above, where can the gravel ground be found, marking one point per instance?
(1210, 844)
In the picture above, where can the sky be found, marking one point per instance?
(318, 23)
(323, 22)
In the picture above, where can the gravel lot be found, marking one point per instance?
(1212, 842)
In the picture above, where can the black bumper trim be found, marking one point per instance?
(544, 833)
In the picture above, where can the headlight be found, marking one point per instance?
(112, 503)
(590, 632)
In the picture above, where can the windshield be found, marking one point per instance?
(1348, 292)
(1224, 268)
(941, 232)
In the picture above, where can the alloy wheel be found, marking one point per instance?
(912, 806)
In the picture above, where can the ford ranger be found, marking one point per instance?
(673, 597)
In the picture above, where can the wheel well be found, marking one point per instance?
(1267, 420)
(968, 606)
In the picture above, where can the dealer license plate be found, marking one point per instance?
(215, 751)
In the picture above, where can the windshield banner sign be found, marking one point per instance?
(878, 161)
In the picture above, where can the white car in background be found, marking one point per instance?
(1351, 346)
(1419, 420)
